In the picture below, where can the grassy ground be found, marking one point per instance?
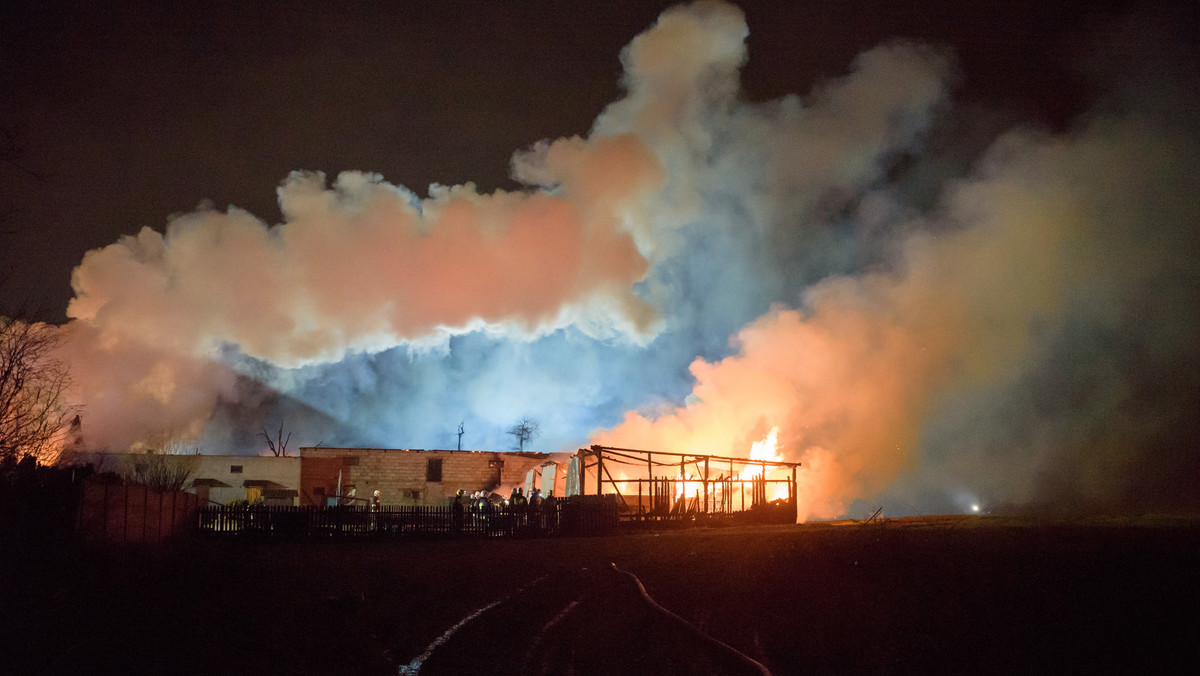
(950, 595)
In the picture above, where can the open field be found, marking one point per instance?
(941, 595)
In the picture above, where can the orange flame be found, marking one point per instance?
(686, 486)
(766, 449)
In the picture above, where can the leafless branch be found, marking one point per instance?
(34, 414)
(524, 431)
(278, 445)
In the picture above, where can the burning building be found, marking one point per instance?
(661, 485)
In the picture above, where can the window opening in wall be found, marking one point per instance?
(433, 470)
(235, 469)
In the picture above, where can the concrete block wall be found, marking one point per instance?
(400, 474)
(283, 471)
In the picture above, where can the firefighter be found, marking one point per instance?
(550, 511)
(484, 507)
(535, 509)
(518, 505)
(456, 512)
(375, 511)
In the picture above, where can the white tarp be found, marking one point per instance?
(573, 471)
(549, 474)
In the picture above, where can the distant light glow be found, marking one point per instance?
(967, 501)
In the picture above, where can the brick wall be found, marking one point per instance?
(132, 513)
(400, 474)
(322, 473)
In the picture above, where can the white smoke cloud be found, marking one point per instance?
(362, 266)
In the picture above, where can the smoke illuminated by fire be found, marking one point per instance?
(826, 278)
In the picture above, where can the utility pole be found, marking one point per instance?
(460, 433)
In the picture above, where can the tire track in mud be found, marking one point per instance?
(584, 621)
(414, 666)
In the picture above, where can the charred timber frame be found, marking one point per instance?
(663, 490)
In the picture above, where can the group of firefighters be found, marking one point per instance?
(479, 501)
(517, 512)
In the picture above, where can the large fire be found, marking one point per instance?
(686, 487)
(690, 484)
(767, 449)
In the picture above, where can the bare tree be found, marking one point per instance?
(278, 445)
(168, 469)
(34, 413)
(524, 431)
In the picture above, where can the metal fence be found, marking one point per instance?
(583, 514)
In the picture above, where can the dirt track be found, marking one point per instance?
(950, 595)
(592, 620)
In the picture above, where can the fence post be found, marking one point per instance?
(599, 471)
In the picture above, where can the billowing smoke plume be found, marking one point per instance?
(927, 325)
(366, 266)
(361, 267)
(1026, 342)
(1034, 338)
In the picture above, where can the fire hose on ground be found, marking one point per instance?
(717, 643)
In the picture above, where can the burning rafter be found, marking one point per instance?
(627, 453)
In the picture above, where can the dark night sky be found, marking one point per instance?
(117, 115)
